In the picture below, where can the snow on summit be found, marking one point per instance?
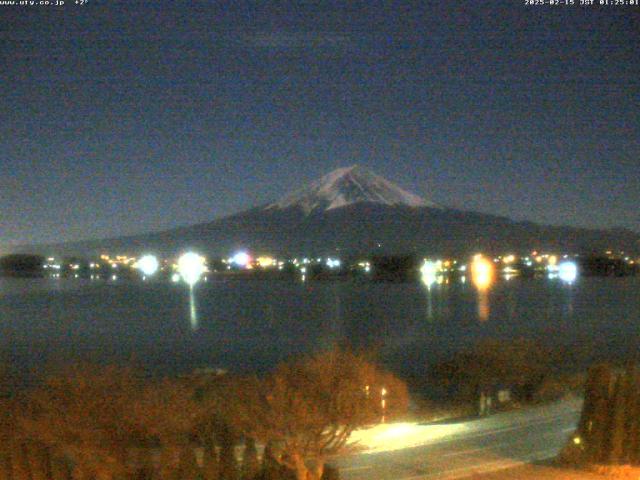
(346, 186)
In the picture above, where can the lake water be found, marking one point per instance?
(247, 325)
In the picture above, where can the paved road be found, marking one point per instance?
(460, 449)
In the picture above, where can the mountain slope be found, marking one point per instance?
(352, 211)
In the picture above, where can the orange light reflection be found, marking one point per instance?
(482, 276)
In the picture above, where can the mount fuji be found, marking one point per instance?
(353, 211)
(348, 186)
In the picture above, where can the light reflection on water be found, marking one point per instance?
(429, 303)
(193, 314)
(249, 324)
(482, 276)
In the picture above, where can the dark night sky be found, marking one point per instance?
(125, 117)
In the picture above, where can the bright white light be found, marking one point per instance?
(191, 267)
(568, 271)
(429, 272)
(175, 278)
(241, 259)
(148, 265)
(333, 262)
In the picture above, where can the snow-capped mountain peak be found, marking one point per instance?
(346, 186)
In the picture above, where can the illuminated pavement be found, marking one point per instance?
(459, 450)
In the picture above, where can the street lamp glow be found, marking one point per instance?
(191, 267)
(148, 265)
(482, 271)
(568, 272)
(241, 259)
(429, 272)
(333, 262)
(266, 262)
